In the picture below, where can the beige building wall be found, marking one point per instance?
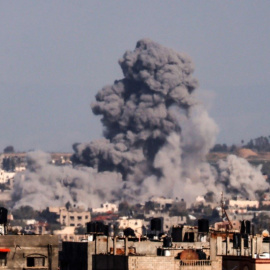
(134, 224)
(75, 218)
(29, 252)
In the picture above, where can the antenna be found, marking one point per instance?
(224, 213)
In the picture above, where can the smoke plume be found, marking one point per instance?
(156, 137)
(44, 184)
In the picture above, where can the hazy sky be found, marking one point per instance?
(55, 56)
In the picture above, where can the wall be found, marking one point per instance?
(107, 262)
(23, 246)
(94, 255)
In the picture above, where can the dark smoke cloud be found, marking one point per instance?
(136, 110)
(156, 137)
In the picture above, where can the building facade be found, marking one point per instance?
(25, 252)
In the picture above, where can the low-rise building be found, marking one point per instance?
(6, 177)
(106, 207)
(162, 203)
(134, 224)
(167, 222)
(29, 252)
(241, 206)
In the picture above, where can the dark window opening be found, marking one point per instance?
(35, 261)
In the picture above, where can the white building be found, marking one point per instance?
(106, 207)
(240, 206)
(134, 224)
(6, 177)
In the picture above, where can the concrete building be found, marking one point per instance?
(105, 208)
(251, 253)
(27, 252)
(167, 222)
(75, 217)
(220, 251)
(241, 206)
(6, 177)
(134, 224)
(162, 203)
(126, 254)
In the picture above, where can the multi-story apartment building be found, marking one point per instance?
(134, 224)
(75, 217)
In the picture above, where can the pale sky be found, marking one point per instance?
(56, 55)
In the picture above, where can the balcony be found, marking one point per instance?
(195, 265)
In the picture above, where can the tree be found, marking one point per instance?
(9, 149)
(124, 208)
(48, 216)
(25, 212)
(8, 164)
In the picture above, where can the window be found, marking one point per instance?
(35, 260)
(86, 217)
(38, 261)
(72, 224)
(71, 217)
(79, 218)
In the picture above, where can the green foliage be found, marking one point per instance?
(9, 149)
(220, 148)
(260, 144)
(124, 208)
(50, 217)
(68, 205)
(25, 212)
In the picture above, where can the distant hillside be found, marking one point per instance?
(260, 144)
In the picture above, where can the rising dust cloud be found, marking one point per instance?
(156, 138)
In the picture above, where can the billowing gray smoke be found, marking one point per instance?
(44, 184)
(137, 111)
(156, 137)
